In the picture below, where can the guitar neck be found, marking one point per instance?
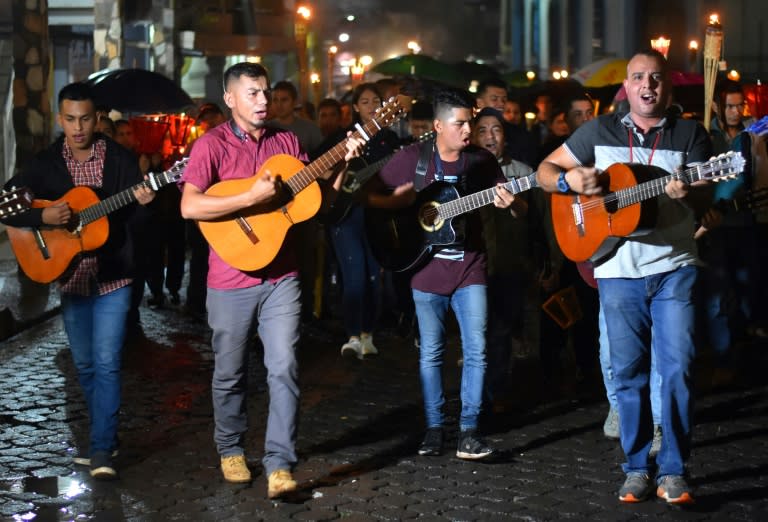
(484, 197)
(642, 191)
(724, 166)
(127, 196)
(327, 161)
(369, 171)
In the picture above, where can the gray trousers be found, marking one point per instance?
(232, 315)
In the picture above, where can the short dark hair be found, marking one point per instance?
(77, 91)
(490, 82)
(121, 123)
(489, 111)
(421, 110)
(329, 102)
(653, 53)
(451, 98)
(580, 96)
(249, 69)
(285, 85)
(209, 108)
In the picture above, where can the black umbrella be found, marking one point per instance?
(138, 90)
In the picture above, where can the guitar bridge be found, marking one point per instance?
(578, 214)
(247, 229)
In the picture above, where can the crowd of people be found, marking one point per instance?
(638, 306)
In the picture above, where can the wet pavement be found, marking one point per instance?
(361, 422)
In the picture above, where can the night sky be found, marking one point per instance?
(451, 31)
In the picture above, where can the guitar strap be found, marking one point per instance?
(425, 153)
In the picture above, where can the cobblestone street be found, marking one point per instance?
(361, 422)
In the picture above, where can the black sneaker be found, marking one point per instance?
(432, 445)
(101, 466)
(472, 446)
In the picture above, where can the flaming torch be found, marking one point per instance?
(713, 43)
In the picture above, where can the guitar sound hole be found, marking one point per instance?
(612, 206)
(428, 216)
(74, 224)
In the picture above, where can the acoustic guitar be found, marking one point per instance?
(754, 201)
(250, 238)
(46, 252)
(590, 227)
(355, 181)
(404, 239)
(15, 201)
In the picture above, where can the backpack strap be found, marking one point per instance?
(425, 152)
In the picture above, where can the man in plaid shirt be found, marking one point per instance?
(96, 288)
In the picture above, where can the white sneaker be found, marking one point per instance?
(366, 341)
(352, 348)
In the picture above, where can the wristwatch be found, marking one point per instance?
(562, 184)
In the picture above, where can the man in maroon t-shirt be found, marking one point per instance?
(455, 275)
(237, 299)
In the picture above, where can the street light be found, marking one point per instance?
(303, 14)
(314, 79)
(332, 50)
(414, 47)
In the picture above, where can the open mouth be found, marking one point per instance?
(648, 98)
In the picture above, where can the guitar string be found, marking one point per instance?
(655, 187)
(121, 199)
(311, 172)
(478, 199)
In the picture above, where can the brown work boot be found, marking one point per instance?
(235, 469)
(279, 482)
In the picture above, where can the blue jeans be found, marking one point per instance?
(359, 272)
(470, 307)
(95, 327)
(646, 318)
(232, 315)
(610, 385)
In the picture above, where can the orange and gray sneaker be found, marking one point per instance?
(235, 469)
(636, 488)
(675, 490)
(279, 483)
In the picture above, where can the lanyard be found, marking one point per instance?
(653, 149)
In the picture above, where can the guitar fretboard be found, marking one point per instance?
(126, 197)
(388, 114)
(484, 197)
(725, 165)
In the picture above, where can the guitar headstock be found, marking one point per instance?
(393, 109)
(171, 175)
(178, 167)
(15, 201)
(727, 165)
